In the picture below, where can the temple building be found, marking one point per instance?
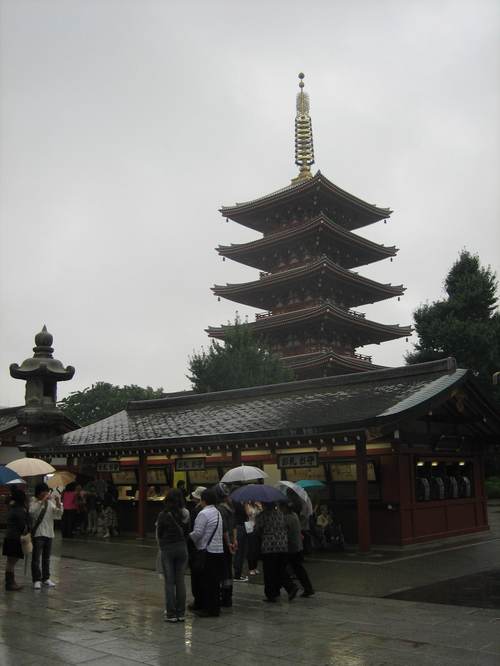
(308, 258)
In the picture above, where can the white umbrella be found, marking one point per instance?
(243, 473)
(306, 500)
(30, 467)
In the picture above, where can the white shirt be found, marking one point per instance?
(208, 522)
(46, 527)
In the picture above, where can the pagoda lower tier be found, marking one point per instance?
(304, 242)
(317, 281)
(326, 364)
(322, 328)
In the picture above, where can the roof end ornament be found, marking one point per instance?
(304, 148)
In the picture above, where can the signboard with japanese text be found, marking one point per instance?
(291, 460)
(344, 471)
(189, 464)
(108, 467)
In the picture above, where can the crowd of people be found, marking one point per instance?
(90, 510)
(215, 538)
(205, 531)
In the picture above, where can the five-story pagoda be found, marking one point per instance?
(308, 256)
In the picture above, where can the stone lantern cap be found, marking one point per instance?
(42, 364)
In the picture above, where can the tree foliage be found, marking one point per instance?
(240, 362)
(102, 399)
(465, 324)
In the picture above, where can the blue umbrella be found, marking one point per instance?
(310, 483)
(257, 492)
(7, 475)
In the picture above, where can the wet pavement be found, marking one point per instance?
(107, 610)
(109, 615)
(430, 572)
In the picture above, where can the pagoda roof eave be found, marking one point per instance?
(386, 331)
(236, 250)
(319, 359)
(231, 290)
(278, 196)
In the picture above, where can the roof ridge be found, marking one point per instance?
(447, 365)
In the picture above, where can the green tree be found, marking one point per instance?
(102, 399)
(465, 324)
(240, 362)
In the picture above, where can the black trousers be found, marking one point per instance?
(68, 523)
(275, 574)
(296, 563)
(253, 551)
(211, 579)
(42, 547)
(241, 553)
(196, 587)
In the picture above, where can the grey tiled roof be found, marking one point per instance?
(332, 403)
(8, 418)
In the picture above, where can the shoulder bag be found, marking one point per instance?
(41, 516)
(199, 557)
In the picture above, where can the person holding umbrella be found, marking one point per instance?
(17, 525)
(43, 512)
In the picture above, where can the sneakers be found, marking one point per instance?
(241, 579)
(49, 583)
(166, 618)
(253, 572)
(293, 593)
(37, 585)
(180, 618)
(307, 594)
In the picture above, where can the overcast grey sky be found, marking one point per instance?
(126, 124)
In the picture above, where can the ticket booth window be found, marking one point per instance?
(437, 480)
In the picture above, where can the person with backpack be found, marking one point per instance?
(172, 529)
(43, 511)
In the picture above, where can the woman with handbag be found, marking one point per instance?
(17, 526)
(172, 529)
(208, 561)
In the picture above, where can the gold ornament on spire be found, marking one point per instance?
(304, 148)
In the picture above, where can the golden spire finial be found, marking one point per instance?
(304, 148)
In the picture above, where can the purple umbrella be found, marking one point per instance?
(257, 492)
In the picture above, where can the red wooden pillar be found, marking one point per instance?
(141, 509)
(236, 456)
(362, 495)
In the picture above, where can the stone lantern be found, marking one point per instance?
(40, 415)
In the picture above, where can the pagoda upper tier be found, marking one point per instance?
(303, 201)
(301, 243)
(318, 281)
